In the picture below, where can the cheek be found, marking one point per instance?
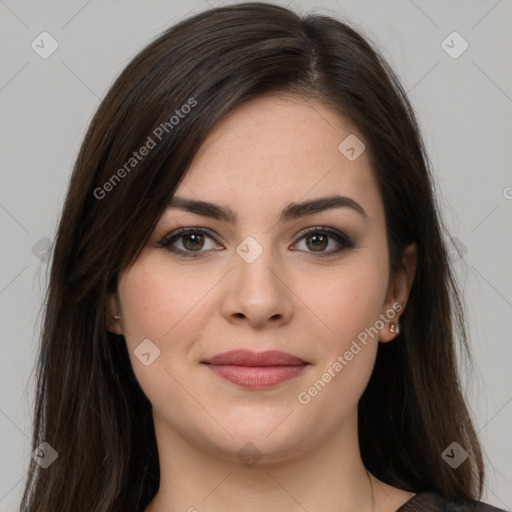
(347, 300)
(348, 306)
(162, 304)
(158, 300)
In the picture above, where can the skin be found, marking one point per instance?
(265, 154)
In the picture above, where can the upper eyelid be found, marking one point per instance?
(183, 231)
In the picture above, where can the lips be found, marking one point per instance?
(255, 369)
(248, 358)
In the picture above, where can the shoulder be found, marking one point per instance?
(433, 502)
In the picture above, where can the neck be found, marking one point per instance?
(330, 476)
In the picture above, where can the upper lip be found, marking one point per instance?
(249, 358)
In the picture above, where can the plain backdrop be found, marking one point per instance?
(462, 96)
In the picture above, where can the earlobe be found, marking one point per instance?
(390, 331)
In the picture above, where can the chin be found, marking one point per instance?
(259, 433)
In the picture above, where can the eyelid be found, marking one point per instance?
(182, 231)
(339, 236)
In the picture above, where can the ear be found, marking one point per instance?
(113, 325)
(398, 291)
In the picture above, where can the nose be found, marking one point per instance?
(258, 293)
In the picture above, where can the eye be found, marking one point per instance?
(194, 241)
(317, 239)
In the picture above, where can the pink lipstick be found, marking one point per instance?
(256, 369)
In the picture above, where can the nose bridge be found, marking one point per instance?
(257, 290)
(256, 266)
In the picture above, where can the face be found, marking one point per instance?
(313, 284)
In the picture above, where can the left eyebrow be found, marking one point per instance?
(290, 212)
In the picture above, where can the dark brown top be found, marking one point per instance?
(433, 502)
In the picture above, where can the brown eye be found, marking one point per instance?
(318, 239)
(317, 242)
(190, 242)
(193, 241)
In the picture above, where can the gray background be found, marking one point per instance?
(464, 105)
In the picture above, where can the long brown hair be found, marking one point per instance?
(89, 406)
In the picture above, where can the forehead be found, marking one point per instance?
(274, 149)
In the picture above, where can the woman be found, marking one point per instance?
(250, 300)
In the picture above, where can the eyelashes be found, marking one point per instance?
(182, 233)
(320, 235)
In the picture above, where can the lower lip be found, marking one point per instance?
(256, 376)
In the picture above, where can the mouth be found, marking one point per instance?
(256, 370)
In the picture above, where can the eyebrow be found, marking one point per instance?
(289, 212)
